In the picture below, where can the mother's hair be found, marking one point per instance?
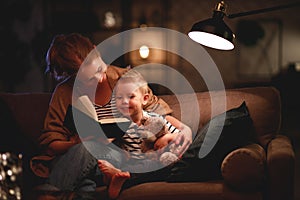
(66, 53)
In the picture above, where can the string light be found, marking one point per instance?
(10, 176)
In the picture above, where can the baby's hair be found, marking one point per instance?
(133, 76)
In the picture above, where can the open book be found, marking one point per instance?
(82, 118)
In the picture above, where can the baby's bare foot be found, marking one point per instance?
(116, 184)
(108, 170)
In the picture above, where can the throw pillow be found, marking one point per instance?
(237, 131)
(251, 176)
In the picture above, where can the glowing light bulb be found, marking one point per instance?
(144, 51)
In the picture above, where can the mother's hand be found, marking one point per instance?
(183, 141)
(184, 138)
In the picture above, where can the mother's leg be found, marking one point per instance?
(77, 169)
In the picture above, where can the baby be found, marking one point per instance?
(131, 94)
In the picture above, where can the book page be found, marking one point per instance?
(85, 105)
(114, 120)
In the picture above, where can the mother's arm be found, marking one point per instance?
(158, 105)
(182, 139)
(56, 139)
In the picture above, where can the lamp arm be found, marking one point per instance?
(241, 14)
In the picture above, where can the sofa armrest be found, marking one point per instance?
(244, 168)
(280, 166)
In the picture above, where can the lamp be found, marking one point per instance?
(214, 33)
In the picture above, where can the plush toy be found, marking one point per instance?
(170, 156)
(154, 128)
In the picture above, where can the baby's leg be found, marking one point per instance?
(116, 184)
(113, 177)
(108, 170)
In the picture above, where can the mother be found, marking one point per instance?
(66, 164)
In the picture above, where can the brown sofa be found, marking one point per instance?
(257, 171)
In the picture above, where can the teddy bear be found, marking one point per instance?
(154, 128)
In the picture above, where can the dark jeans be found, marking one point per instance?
(77, 169)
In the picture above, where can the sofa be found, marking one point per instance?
(262, 170)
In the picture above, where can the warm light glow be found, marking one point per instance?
(109, 20)
(144, 51)
(211, 40)
(297, 66)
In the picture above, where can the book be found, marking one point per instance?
(81, 118)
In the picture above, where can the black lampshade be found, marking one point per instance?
(213, 33)
(216, 34)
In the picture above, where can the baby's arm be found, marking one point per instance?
(165, 140)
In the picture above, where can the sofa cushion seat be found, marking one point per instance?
(211, 190)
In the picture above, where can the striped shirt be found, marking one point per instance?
(109, 110)
(132, 138)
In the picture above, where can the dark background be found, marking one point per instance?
(267, 46)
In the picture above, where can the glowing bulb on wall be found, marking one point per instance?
(109, 20)
(144, 51)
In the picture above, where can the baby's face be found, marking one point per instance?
(129, 99)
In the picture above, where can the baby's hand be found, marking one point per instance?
(164, 141)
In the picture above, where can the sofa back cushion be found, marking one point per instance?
(27, 110)
(22, 114)
(264, 106)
